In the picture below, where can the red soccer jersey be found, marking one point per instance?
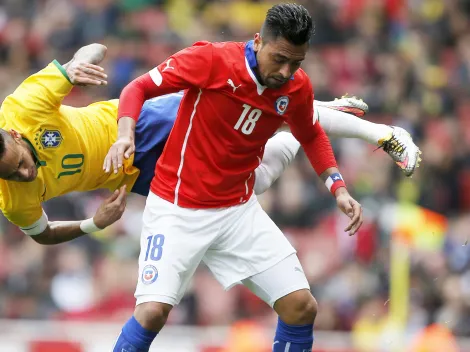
(223, 123)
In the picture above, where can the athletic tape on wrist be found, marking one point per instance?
(88, 226)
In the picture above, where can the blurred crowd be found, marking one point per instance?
(408, 59)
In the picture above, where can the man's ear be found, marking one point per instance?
(258, 41)
(15, 135)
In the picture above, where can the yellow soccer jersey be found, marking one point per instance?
(69, 143)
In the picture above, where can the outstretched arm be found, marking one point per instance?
(54, 232)
(39, 96)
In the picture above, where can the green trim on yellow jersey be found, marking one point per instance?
(62, 70)
(39, 163)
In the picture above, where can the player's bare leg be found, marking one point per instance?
(285, 288)
(297, 308)
(167, 262)
(297, 312)
(139, 331)
(152, 315)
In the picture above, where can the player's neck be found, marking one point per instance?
(255, 70)
(31, 150)
(257, 75)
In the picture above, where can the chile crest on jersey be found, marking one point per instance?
(281, 105)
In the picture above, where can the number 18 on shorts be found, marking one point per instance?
(154, 252)
(235, 243)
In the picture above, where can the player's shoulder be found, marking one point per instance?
(235, 46)
(221, 48)
(30, 91)
(12, 115)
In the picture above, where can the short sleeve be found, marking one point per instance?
(37, 227)
(26, 217)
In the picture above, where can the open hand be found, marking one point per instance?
(124, 147)
(86, 74)
(111, 209)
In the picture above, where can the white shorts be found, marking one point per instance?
(239, 244)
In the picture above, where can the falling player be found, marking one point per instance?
(201, 205)
(48, 149)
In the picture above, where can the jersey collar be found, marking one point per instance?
(39, 163)
(251, 64)
(250, 55)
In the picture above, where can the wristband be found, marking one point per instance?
(334, 181)
(88, 226)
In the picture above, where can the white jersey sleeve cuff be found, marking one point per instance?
(38, 227)
(316, 115)
(156, 76)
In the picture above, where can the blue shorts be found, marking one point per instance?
(151, 133)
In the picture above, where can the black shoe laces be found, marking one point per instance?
(393, 145)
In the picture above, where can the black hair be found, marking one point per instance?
(4, 138)
(289, 21)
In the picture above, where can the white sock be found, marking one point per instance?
(281, 149)
(279, 152)
(340, 124)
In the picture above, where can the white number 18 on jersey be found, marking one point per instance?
(250, 121)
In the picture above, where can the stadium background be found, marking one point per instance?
(409, 60)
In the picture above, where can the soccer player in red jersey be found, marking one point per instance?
(201, 206)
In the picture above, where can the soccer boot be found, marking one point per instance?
(401, 148)
(347, 104)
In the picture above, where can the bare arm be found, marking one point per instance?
(59, 232)
(344, 201)
(108, 213)
(43, 92)
(91, 54)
